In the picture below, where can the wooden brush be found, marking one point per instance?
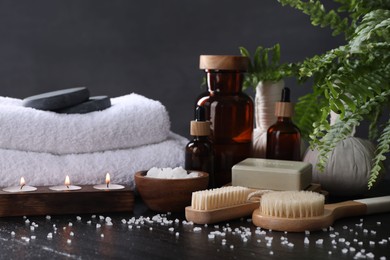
(222, 204)
(298, 211)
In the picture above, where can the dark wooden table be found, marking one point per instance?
(135, 235)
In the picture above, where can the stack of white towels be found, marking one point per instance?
(43, 147)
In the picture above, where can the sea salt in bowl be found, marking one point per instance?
(164, 194)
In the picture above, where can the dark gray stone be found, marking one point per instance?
(57, 99)
(93, 104)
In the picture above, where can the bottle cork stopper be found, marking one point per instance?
(284, 109)
(223, 62)
(200, 128)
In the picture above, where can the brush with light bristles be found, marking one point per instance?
(298, 211)
(221, 204)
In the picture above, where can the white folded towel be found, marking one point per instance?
(131, 121)
(44, 169)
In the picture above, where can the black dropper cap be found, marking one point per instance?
(200, 114)
(285, 95)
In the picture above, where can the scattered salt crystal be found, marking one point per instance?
(344, 250)
(89, 222)
(382, 258)
(347, 243)
(50, 235)
(307, 232)
(177, 234)
(319, 241)
(245, 240)
(101, 217)
(211, 236)
(290, 245)
(379, 223)
(271, 252)
(48, 217)
(13, 233)
(352, 249)
(26, 239)
(138, 227)
(373, 232)
(177, 221)
(171, 229)
(329, 252)
(124, 221)
(93, 216)
(372, 243)
(332, 235)
(71, 234)
(258, 240)
(331, 228)
(370, 255)
(32, 228)
(306, 241)
(69, 241)
(360, 243)
(108, 219)
(130, 226)
(324, 229)
(33, 237)
(78, 218)
(27, 221)
(70, 224)
(365, 231)
(109, 223)
(345, 227)
(98, 225)
(64, 228)
(24, 217)
(341, 240)
(197, 229)
(101, 235)
(150, 229)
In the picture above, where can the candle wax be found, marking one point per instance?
(65, 188)
(110, 187)
(18, 189)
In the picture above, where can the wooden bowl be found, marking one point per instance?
(169, 195)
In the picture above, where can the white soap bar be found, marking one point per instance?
(272, 174)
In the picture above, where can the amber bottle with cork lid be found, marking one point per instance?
(230, 112)
(283, 137)
(199, 152)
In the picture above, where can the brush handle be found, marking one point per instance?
(376, 205)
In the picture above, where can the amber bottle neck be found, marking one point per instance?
(282, 119)
(224, 81)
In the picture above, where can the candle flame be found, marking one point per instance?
(67, 181)
(22, 182)
(108, 179)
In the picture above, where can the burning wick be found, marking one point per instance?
(22, 183)
(67, 181)
(108, 180)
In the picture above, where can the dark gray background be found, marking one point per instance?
(149, 47)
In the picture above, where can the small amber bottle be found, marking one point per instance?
(199, 152)
(283, 137)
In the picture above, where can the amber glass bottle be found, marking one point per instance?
(199, 152)
(284, 138)
(230, 112)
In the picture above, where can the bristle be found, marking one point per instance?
(292, 204)
(219, 198)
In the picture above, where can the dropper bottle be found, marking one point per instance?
(283, 137)
(199, 152)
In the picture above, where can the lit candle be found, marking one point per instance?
(21, 188)
(108, 185)
(66, 187)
